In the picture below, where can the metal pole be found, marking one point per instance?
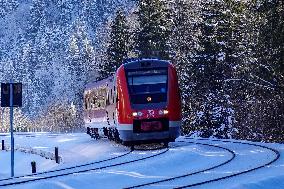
(56, 155)
(12, 129)
(33, 164)
(2, 119)
(3, 145)
(2, 126)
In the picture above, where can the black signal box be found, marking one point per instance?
(17, 94)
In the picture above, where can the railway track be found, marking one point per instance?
(109, 163)
(74, 169)
(63, 169)
(233, 155)
(274, 159)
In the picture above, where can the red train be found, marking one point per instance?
(139, 104)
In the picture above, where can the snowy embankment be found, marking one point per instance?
(30, 150)
(273, 182)
(186, 156)
(73, 149)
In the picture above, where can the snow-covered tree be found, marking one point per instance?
(7, 7)
(118, 46)
(183, 46)
(154, 29)
(228, 53)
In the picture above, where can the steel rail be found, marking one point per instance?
(67, 168)
(276, 157)
(233, 155)
(79, 171)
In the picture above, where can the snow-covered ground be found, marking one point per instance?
(73, 148)
(182, 158)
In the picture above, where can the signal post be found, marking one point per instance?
(11, 96)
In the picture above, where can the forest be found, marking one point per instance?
(229, 55)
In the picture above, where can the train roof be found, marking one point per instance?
(130, 64)
(146, 63)
(95, 84)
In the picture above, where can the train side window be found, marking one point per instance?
(92, 102)
(111, 95)
(89, 104)
(86, 104)
(117, 99)
(107, 102)
(98, 99)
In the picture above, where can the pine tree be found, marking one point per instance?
(118, 47)
(65, 14)
(270, 51)
(267, 72)
(211, 55)
(183, 45)
(252, 84)
(153, 34)
(78, 61)
(37, 18)
(211, 111)
(7, 7)
(95, 12)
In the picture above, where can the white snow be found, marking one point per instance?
(182, 158)
(73, 148)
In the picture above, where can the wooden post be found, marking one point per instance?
(56, 155)
(33, 164)
(3, 145)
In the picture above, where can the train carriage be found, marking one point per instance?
(139, 104)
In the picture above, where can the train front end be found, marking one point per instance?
(148, 102)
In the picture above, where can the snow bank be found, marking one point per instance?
(270, 182)
(44, 154)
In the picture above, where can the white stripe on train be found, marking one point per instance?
(129, 127)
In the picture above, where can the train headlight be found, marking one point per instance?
(163, 112)
(135, 114)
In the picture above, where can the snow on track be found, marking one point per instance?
(53, 173)
(233, 155)
(75, 149)
(161, 167)
(182, 158)
(80, 169)
(260, 156)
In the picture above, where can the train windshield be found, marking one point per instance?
(148, 86)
